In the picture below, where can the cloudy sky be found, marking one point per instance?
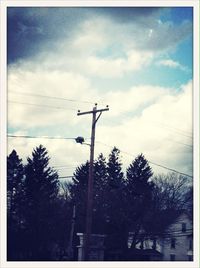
(136, 60)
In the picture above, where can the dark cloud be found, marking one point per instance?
(130, 14)
(39, 29)
(23, 33)
(32, 29)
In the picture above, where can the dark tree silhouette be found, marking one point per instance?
(116, 222)
(139, 195)
(171, 195)
(107, 196)
(171, 189)
(78, 193)
(40, 209)
(41, 186)
(15, 172)
(100, 187)
(15, 203)
(114, 169)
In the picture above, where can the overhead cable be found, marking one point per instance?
(38, 137)
(41, 105)
(63, 138)
(49, 97)
(153, 163)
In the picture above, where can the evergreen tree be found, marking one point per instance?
(78, 193)
(107, 195)
(115, 185)
(63, 224)
(15, 172)
(15, 202)
(116, 223)
(100, 172)
(114, 169)
(41, 185)
(100, 189)
(139, 194)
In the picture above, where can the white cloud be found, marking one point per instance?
(172, 64)
(152, 130)
(85, 52)
(41, 82)
(111, 68)
(101, 48)
(134, 100)
(139, 116)
(64, 153)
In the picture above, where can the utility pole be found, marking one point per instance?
(70, 246)
(90, 179)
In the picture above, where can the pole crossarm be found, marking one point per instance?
(93, 111)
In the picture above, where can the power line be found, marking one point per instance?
(38, 137)
(61, 168)
(49, 97)
(41, 105)
(68, 166)
(63, 138)
(65, 177)
(45, 137)
(170, 169)
(153, 163)
(178, 142)
(179, 133)
(176, 130)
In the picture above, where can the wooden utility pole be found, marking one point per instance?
(90, 179)
(70, 246)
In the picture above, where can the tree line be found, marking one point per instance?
(40, 208)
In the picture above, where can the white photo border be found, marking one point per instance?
(3, 126)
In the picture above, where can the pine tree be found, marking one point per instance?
(100, 189)
(15, 172)
(78, 193)
(114, 169)
(139, 194)
(100, 172)
(116, 230)
(115, 185)
(15, 202)
(41, 185)
(138, 175)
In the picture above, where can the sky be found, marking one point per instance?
(139, 61)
